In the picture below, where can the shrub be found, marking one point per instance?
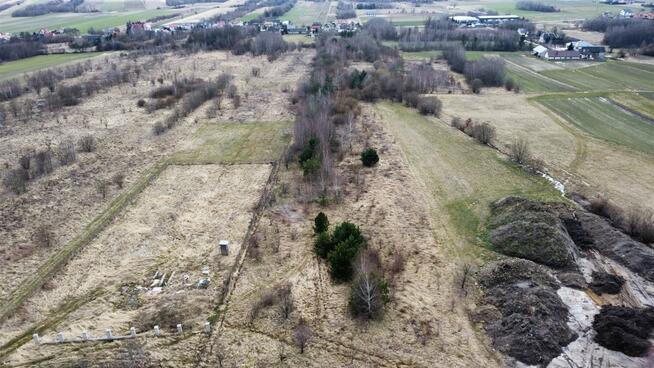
(429, 105)
(43, 162)
(340, 259)
(535, 6)
(140, 103)
(44, 236)
(411, 99)
(87, 143)
(640, 224)
(285, 300)
(476, 85)
(119, 180)
(519, 151)
(369, 157)
(509, 84)
(158, 128)
(102, 187)
(484, 133)
(66, 152)
(256, 72)
(323, 244)
(16, 180)
(321, 223)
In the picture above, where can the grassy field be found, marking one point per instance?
(213, 143)
(602, 119)
(570, 10)
(460, 176)
(237, 142)
(81, 21)
(15, 68)
(611, 75)
(635, 101)
(307, 12)
(299, 39)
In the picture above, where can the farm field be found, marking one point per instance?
(14, 68)
(81, 21)
(611, 75)
(635, 102)
(308, 12)
(460, 177)
(203, 11)
(602, 119)
(570, 10)
(582, 162)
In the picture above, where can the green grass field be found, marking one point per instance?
(238, 142)
(608, 76)
(636, 102)
(307, 12)
(460, 176)
(81, 21)
(570, 10)
(597, 116)
(14, 68)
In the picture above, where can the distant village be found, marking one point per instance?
(284, 27)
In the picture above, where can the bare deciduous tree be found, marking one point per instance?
(285, 300)
(302, 335)
(366, 299)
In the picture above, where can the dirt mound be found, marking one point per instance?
(532, 327)
(602, 236)
(624, 329)
(531, 230)
(606, 283)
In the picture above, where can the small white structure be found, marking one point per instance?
(539, 51)
(207, 327)
(132, 331)
(60, 337)
(224, 247)
(36, 339)
(179, 328)
(85, 335)
(157, 332)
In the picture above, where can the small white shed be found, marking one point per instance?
(224, 247)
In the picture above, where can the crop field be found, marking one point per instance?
(307, 12)
(81, 21)
(570, 10)
(635, 102)
(14, 68)
(611, 75)
(602, 119)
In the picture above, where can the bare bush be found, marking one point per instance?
(302, 335)
(255, 71)
(429, 105)
(639, 222)
(158, 128)
(519, 151)
(43, 162)
(397, 264)
(66, 152)
(44, 236)
(102, 187)
(601, 205)
(119, 180)
(16, 180)
(86, 143)
(484, 133)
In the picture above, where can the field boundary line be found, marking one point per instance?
(539, 75)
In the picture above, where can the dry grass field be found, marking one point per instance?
(68, 202)
(581, 161)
